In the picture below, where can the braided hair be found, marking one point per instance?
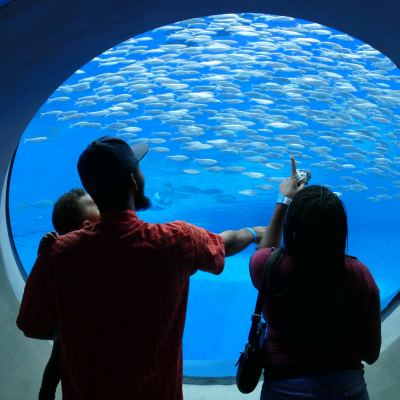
(315, 235)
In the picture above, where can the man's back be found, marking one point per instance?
(120, 289)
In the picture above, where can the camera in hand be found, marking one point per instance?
(303, 176)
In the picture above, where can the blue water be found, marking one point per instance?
(219, 309)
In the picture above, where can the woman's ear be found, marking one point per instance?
(86, 223)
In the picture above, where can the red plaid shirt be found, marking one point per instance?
(118, 293)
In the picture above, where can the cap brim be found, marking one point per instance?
(140, 150)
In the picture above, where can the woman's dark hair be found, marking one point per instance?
(315, 235)
(68, 211)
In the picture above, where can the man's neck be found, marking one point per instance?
(128, 206)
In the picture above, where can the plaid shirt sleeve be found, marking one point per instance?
(37, 314)
(209, 250)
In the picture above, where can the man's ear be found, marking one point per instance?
(86, 224)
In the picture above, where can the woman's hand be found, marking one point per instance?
(289, 186)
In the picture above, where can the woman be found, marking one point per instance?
(322, 306)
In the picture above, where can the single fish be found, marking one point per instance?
(160, 149)
(50, 113)
(35, 140)
(58, 99)
(255, 175)
(282, 125)
(385, 197)
(197, 146)
(191, 171)
(178, 158)
(127, 135)
(72, 117)
(345, 38)
(321, 150)
(265, 187)
(275, 180)
(351, 179)
(79, 124)
(274, 166)
(38, 204)
(236, 169)
(257, 159)
(162, 134)
(215, 169)
(226, 199)
(92, 125)
(114, 127)
(98, 113)
(182, 139)
(262, 101)
(118, 114)
(248, 192)
(131, 129)
(156, 141)
(206, 161)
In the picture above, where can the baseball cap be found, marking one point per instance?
(107, 162)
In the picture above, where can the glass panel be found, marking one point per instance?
(223, 101)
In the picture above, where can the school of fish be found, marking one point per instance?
(246, 91)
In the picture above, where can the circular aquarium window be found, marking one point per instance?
(224, 101)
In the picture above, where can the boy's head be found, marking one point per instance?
(73, 211)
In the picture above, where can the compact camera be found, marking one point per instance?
(303, 176)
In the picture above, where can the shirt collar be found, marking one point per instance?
(115, 216)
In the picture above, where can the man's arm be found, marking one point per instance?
(236, 241)
(37, 315)
(49, 335)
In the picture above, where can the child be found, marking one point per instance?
(72, 211)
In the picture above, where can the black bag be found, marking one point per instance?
(250, 362)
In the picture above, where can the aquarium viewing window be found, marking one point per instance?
(223, 102)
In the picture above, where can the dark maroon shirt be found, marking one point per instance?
(279, 361)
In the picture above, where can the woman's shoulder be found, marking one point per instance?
(353, 264)
(261, 255)
(361, 274)
(259, 260)
(257, 264)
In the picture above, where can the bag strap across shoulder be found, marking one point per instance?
(256, 317)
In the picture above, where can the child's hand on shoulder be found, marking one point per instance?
(47, 240)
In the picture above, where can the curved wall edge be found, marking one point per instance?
(14, 274)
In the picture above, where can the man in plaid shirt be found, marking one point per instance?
(117, 290)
